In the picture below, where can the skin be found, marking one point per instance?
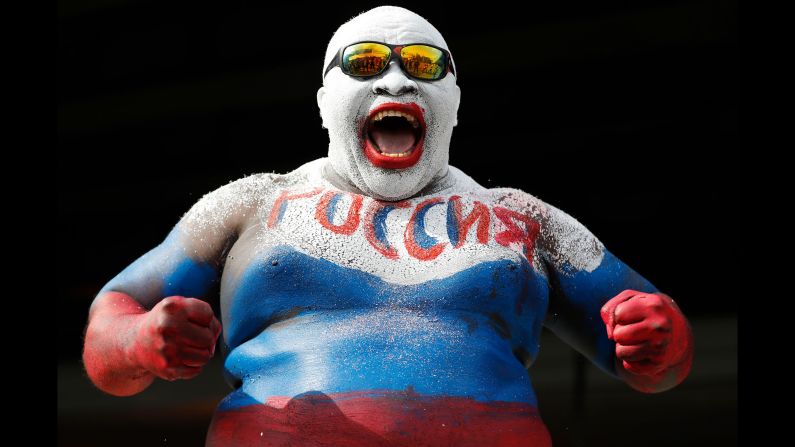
(289, 303)
(344, 102)
(654, 342)
(131, 346)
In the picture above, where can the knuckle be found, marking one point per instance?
(196, 304)
(192, 302)
(662, 325)
(623, 353)
(172, 304)
(655, 302)
(660, 344)
(658, 324)
(202, 305)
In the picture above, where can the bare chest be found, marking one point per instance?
(328, 250)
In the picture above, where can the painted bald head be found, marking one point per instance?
(389, 134)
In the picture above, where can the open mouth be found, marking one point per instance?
(394, 135)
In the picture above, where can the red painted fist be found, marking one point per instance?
(176, 338)
(650, 332)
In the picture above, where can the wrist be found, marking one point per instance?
(111, 346)
(131, 341)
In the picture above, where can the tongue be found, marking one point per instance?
(392, 141)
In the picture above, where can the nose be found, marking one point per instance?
(394, 82)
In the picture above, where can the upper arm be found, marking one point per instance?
(583, 276)
(189, 261)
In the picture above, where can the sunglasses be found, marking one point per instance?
(418, 60)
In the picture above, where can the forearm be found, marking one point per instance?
(109, 340)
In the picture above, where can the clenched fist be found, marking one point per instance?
(653, 339)
(176, 338)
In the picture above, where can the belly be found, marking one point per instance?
(321, 354)
(386, 376)
(432, 352)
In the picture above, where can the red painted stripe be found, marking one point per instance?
(351, 221)
(389, 418)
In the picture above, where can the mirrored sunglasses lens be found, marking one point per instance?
(365, 59)
(423, 62)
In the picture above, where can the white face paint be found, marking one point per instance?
(346, 104)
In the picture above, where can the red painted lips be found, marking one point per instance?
(394, 135)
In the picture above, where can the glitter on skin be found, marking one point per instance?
(327, 316)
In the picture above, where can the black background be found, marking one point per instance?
(623, 114)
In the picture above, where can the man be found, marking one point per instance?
(379, 296)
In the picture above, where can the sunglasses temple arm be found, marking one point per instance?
(333, 63)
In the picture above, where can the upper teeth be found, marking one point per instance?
(384, 113)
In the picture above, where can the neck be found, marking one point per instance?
(443, 179)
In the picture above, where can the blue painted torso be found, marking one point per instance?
(295, 324)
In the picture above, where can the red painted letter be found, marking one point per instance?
(514, 233)
(351, 222)
(280, 205)
(458, 226)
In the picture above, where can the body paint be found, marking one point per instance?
(325, 213)
(376, 417)
(418, 243)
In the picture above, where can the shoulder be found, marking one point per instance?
(225, 209)
(519, 201)
(463, 183)
(227, 205)
(564, 241)
(216, 206)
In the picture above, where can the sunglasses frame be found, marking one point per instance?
(336, 61)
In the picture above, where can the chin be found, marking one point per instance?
(391, 187)
(382, 183)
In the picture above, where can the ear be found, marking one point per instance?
(457, 93)
(321, 93)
